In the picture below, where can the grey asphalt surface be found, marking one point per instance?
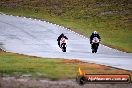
(39, 38)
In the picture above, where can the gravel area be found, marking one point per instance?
(25, 82)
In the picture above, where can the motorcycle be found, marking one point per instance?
(95, 44)
(63, 47)
(63, 44)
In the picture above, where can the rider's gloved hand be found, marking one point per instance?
(90, 42)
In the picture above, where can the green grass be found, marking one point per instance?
(82, 16)
(18, 65)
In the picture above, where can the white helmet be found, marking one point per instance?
(95, 32)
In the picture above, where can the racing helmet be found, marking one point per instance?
(95, 32)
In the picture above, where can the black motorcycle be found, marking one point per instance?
(95, 47)
(95, 44)
(63, 47)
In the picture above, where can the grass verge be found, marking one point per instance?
(19, 65)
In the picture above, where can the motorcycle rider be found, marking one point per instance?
(63, 40)
(59, 38)
(97, 38)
